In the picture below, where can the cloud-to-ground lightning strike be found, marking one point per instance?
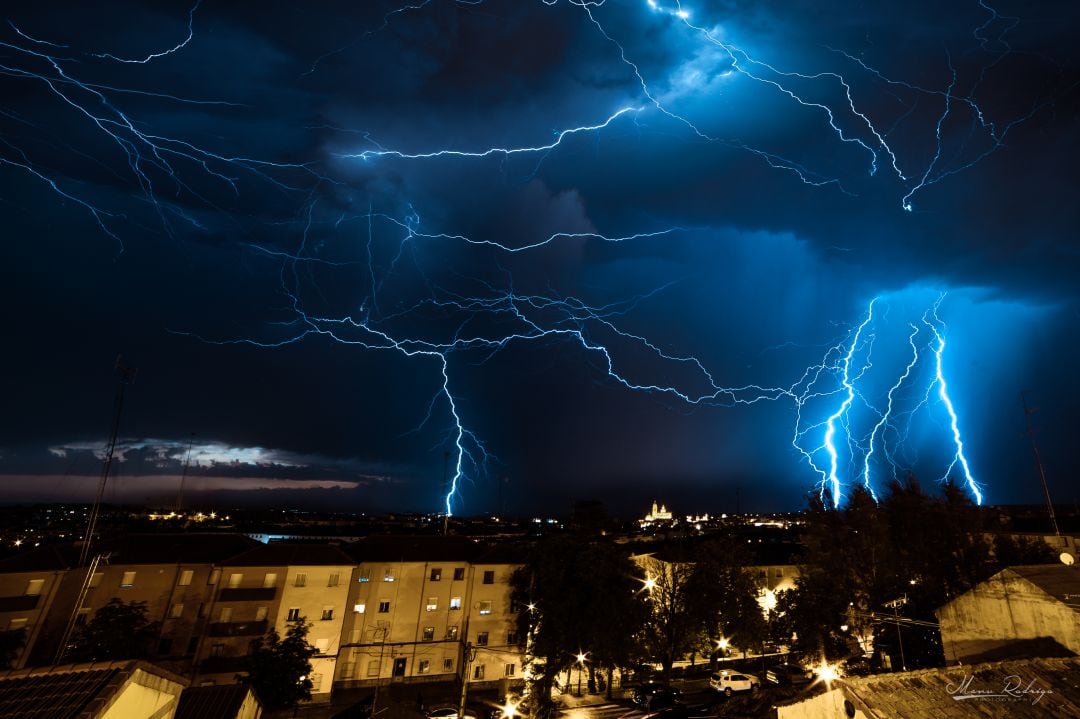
(154, 161)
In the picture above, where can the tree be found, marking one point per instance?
(280, 669)
(577, 597)
(118, 630)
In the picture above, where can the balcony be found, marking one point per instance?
(21, 603)
(237, 629)
(246, 594)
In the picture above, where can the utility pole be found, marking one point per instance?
(468, 655)
(126, 376)
(1038, 461)
(895, 605)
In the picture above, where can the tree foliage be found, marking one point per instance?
(578, 597)
(118, 630)
(280, 669)
(910, 546)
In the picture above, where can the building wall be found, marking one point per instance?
(1003, 610)
(25, 601)
(322, 589)
(229, 623)
(829, 705)
(429, 618)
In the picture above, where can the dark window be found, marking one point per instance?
(217, 650)
(459, 573)
(164, 646)
(429, 634)
(294, 614)
(511, 638)
(384, 607)
(489, 576)
(481, 639)
(192, 645)
(436, 574)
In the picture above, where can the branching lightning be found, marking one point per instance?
(485, 321)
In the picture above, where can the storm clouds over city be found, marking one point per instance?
(365, 254)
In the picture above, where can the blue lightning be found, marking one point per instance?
(154, 161)
(943, 393)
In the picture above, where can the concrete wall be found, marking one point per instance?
(1001, 611)
(325, 587)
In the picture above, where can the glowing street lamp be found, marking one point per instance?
(581, 666)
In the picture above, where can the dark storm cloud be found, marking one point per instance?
(759, 275)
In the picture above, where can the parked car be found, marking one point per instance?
(785, 674)
(856, 667)
(645, 695)
(730, 682)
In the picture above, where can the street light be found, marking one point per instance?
(581, 665)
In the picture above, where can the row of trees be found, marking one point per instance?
(583, 602)
(909, 546)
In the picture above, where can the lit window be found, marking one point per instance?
(214, 577)
(436, 574)
(33, 587)
(176, 611)
(333, 580)
(455, 602)
(452, 632)
(359, 608)
(300, 580)
(260, 614)
(384, 607)
(269, 580)
(185, 577)
(327, 614)
(481, 639)
(388, 575)
(509, 670)
(489, 576)
(365, 575)
(235, 580)
(424, 666)
(429, 634)
(294, 614)
(18, 623)
(459, 573)
(485, 608)
(432, 603)
(128, 580)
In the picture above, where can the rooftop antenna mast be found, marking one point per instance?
(1038, 461)
(183, 475)
(126, 376)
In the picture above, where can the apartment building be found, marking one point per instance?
(428, 609)
(170, 573)
(272, 586)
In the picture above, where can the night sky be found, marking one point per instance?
(708, 253)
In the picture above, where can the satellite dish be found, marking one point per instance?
(1067, 559)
